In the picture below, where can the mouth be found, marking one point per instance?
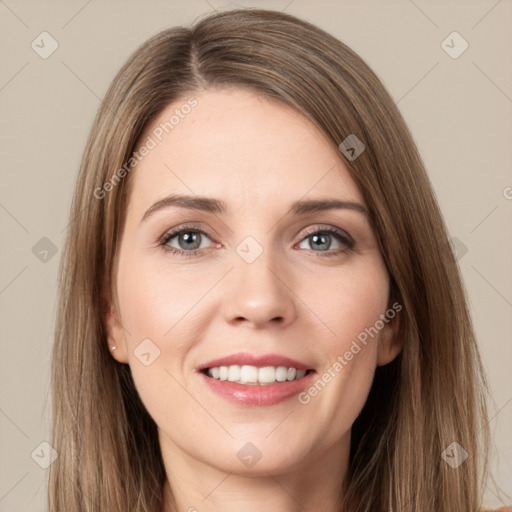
(253, 369)
(256, 380)
(249, 375)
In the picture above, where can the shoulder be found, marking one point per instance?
(502, 509)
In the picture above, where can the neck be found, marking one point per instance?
(314, 483)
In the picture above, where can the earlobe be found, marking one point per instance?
(390, 343)
(115, 335)
(113, 348)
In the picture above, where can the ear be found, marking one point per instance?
(115, 331)
(390, 341)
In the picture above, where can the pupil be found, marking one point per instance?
(321, 241)
(190, 238)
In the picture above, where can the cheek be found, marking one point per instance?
(158, 315)
(349, 305)
(154, 302)
(168, 310)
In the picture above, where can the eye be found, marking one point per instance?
(329, 240)
(185, 241)
(190, 241)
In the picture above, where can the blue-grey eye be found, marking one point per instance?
(188, 240)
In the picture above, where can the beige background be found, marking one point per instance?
(459, 111)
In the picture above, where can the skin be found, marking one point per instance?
(258, 156)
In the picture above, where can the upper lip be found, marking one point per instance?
(245, 358)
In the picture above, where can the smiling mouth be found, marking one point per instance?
(255, 376)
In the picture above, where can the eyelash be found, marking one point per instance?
(340, 235)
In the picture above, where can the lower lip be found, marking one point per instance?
(269, 394)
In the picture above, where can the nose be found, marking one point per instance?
(259, 294)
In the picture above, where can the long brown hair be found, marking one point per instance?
(431, 395)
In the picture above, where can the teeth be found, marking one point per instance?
(252, 375)
(249, 374)
(223, 373)
(291, 373)
(233, 373)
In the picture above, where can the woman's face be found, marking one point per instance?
(256, 265)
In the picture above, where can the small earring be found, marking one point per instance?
(113, 348)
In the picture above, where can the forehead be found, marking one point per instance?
(240, 146)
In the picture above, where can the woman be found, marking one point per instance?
(259, 305)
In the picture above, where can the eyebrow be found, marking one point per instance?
(211, 205)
